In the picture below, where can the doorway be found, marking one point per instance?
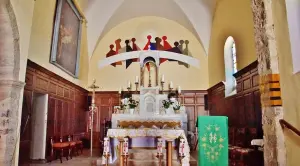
(39, 126)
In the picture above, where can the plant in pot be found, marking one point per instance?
(167, 105)
(176, 107)
(132, 105)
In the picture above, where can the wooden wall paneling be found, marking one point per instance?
(258, 113)
(51, 121)
(249, 110)
(59, 117)
(41, 83)
(244, 108)
(60, 91)
(29, 79)
(66, 105)
(190, 110)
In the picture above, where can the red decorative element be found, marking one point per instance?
(118, 47)
(147, 46)
(148, 66)
(111, 53)
(134, 48)
(167, 46)
(111, 46)
(160, 47)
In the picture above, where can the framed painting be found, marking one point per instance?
(65, 52)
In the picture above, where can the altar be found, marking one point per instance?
(148, 117)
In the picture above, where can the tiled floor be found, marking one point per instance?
(81, 160)
(86, 160)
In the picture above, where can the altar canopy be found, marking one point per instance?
(213, 140)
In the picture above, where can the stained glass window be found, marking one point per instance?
(233, 51)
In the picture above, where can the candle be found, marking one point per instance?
(163, 78)
(179, 89)
(106, 145)
(120, 90)
(159, 146)
(181, 147)
(125, 146)
(136, 79)
(171, 84)
(129, 84)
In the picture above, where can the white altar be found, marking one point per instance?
(143, 133)
(150, 119)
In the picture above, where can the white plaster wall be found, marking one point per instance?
(293, 16)
(23, 10)
(39, 126)
(98, 14)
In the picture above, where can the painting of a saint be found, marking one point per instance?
(66, 37)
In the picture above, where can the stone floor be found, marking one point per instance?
(86, 160)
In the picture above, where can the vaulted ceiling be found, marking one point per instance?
(103, 15)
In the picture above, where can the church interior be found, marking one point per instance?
(160, 82)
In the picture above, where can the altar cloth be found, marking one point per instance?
(166, 134)
(182, 118)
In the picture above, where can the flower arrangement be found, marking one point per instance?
(176, 106)
(132, 103)
(167, 103)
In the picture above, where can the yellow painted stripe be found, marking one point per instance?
(274, 85)
(274, 77)
(275, 94)
(272, 103)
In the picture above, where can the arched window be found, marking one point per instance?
(230, 66)
(233, 52)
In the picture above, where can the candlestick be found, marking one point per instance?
(159, 146)
(162, 86)
(125, 146)
(163, 78)
(171, 85)
(106, 146)
(136, 86)
(180, 159)
(106, 158)
(181, 147)
(92, 109)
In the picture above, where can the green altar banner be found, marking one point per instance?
(212, 140)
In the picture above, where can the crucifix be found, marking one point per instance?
(92, 110)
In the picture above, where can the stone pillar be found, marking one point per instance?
(169, 152)
(11, 95)
(11, 90)
(272, 111)
(121, 157)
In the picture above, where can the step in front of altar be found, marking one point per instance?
(146, 157)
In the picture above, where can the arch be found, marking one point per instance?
(10, 53)
(230, 66)
(155, 54)
(11, 88)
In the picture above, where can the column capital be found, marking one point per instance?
(12, 83)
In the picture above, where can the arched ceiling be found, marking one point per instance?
(103, 15)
